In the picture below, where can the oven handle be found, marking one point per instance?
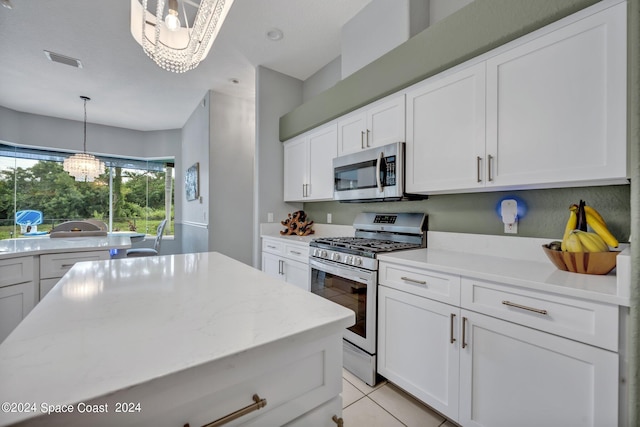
(378, 171)
(352, 273)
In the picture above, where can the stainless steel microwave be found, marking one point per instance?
(375, 174)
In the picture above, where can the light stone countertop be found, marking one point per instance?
(532, 274)
(272, 231)
(110, 325)
(29, 246)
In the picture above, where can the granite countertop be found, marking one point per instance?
(532, 274)
(110, 325)
(12, 248)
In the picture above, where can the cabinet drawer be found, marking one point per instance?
(297, 252)
(16, 270)
(426, 283)
(273, 246)
(293, 377)
(56, 265)
(586, 321)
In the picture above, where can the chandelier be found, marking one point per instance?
(82, 166)
(174, 43)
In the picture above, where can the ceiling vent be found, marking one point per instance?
(56, 57)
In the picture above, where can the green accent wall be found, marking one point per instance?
(475, 29)
(546, 213)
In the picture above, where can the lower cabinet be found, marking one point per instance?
(514, 375)
(286, 261)
(295, 381)
(16, 301)
(54, 266)
(17, 292)
(503, 355)
(418, 347)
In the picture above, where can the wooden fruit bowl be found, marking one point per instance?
(582, 262)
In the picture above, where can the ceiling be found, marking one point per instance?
(126, 88)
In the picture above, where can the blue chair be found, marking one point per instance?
(28, 220)
(142, 252)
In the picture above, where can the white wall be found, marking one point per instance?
(68, 135)
(193, 225)
(231, 176)
(440, 9)
(276, 95)
(322, 79)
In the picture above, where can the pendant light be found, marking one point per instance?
(82, 166)
(167, 36)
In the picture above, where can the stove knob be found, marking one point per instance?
(323, 253)
(335, 257)
(349, 259)
(315, 252)
(357, 261)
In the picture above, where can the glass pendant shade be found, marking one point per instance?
(83, 167)
(175, 47)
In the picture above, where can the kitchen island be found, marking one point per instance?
(173, 340)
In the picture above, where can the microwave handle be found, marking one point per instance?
(378, 171)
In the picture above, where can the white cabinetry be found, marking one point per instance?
(417, 347)
(308, 165)
(556, 105)
(375, 125)
(515, 375)
(500, 355)
(288, 261)
(546, 110)
(446, 132)
(54, 266)
(17, 292)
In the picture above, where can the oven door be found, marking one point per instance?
(353, 288)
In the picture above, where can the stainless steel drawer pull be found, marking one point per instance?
(296, 252)
(489, 161)
(409, 279)
(339, 421)
(464, 334)
(271, 247)
(524, 307)
(453, 317)
(362, 139)
(67, 265)
(258, 404)
(478, 161)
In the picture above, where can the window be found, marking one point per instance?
(132, 194)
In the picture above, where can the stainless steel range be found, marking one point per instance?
(345, 270)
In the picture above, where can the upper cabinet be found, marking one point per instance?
(308, 165)
(375, 125)
(556, 105)
(446, 131)
(547, 110)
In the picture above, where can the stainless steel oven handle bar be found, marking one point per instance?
(378, 171)
(352, 273)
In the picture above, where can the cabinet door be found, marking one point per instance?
(16, 301)
(272, 265)
(513, 375)
(322, 149)
(351, 133)
(556, 105)
(297, 273)
(446, 132)
(295, 169)
(415, 348)
(385, 122)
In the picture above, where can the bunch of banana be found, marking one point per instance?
(576, 237)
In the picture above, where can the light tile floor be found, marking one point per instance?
(384, 405)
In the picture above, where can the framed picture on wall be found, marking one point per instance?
(191, 182)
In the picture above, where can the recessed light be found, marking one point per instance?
(275, 34)
(234, 81)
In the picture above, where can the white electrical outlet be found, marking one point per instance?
(328, 218)
(270, 217)
(511, 228)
